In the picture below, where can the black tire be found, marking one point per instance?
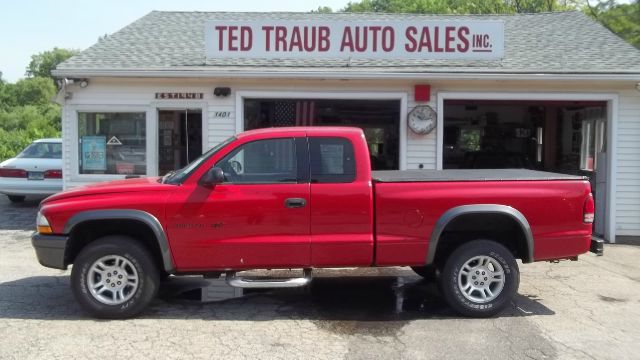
(427, 272)
(453, 293)
(138, 257)
(16, 198)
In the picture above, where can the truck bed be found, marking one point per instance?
(393, 176)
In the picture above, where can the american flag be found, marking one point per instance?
(294, 113)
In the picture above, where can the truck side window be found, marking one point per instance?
(261, 162)
(332, 160)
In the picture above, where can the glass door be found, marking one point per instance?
(180, 138)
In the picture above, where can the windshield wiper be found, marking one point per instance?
(167, 176)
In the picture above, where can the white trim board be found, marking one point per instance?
(612, 133)
(356, 95)
(339, 74)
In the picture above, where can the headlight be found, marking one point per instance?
(43, 224)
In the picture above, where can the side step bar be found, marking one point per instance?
(245, 283)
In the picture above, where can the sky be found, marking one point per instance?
(28, 27)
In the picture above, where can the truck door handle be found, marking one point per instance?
(295, 203)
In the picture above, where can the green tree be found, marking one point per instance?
(622, 19)
(26, 108)
(458, 6)
(323, 10)
(34, 91)
(41, 64)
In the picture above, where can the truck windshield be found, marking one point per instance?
(178, 176)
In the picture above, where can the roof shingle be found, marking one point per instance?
(546, 43)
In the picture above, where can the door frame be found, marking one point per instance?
(153, 131)
(611, 100)
(330, 95)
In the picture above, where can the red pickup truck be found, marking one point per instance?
(306, 198)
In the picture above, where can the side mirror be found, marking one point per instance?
(214, 176)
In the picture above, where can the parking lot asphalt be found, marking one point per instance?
(589, 309)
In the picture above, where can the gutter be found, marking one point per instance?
(372, 75)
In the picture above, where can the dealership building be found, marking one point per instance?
(551, 91)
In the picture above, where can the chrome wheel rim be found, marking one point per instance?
(481, 279)
(112, 280)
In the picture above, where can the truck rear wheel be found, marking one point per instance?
(114, 277)
(480, 278)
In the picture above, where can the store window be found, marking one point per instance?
(112, 143)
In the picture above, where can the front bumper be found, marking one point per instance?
(50, 250)
(597, 246)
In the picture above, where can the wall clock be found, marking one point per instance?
(422, 120)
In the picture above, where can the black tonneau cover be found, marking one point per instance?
(388, 176)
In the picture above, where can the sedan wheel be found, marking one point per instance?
(16, 198)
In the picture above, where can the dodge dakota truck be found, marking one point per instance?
(305, 198)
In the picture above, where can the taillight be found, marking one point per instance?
(588, 212)
(53, 174)
(13, 173)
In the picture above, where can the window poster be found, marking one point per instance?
(332, 158)
(94, 153)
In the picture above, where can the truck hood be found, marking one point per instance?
(111, 187)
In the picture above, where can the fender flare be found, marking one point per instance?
(127, 214)
(455, 212)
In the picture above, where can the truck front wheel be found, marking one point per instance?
(480, 278)
(114, 277)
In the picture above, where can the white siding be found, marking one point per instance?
(219, 129)
(66, 146)
(420, 150)
(628, 167)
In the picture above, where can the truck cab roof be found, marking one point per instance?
(309, 130)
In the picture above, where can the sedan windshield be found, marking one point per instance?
(179, 176)
(42, 150)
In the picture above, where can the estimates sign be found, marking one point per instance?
(265, 39)
(179, 96)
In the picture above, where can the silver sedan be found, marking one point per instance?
(37, 170)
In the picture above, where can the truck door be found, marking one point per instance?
(258, 218)
(341, 203)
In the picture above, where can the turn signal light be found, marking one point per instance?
(53, 174)
(13, 173)
(589, 210)
(45, 230)
(43, 224)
